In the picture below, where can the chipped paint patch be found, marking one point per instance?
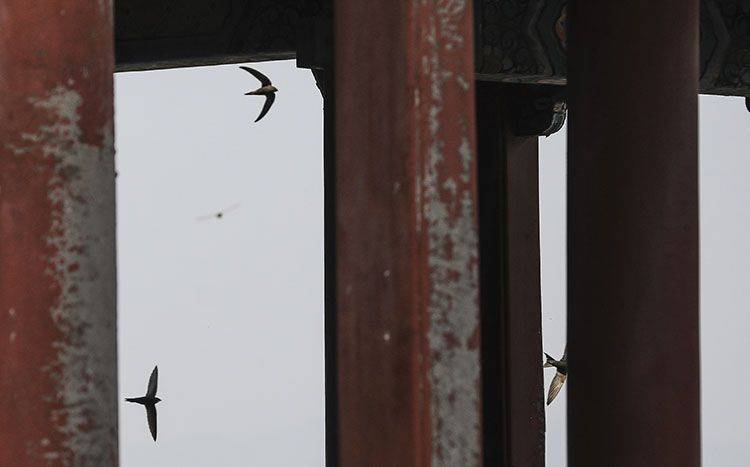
(453, 310)
(82, 237)
(447, 193)
(418, 201)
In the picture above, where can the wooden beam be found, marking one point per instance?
(156, 34)
(518, 41)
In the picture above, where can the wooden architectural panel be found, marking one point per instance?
(526, 41)
(152, 34)
(522, 41)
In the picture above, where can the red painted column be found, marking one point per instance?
(406, 235)
(58, 351)
(633, 263)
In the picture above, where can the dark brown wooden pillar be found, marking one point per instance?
(58, 321)
(510, 283)
(407, 272)
(633, 234)
(325, 80)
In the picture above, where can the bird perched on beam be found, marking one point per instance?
(149, 401)
(267, 89)
(560, 376)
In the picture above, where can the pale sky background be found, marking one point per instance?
(232, 310)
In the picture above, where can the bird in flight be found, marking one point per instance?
(560, 376)
(267, 89)
(219, 214)
(149, 401)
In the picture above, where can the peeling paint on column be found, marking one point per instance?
(82, 239)
(82, 235)
(58, 363)
(447, 193)
(408, 353)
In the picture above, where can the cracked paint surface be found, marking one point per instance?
(408, 354)
(80, 239)
(58, 349)
(83, 232)
(446, 194)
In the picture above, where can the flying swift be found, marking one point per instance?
(560, 376)
(267, 89)
(149, 401)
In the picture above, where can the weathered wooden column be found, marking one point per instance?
(325, 80)
(406, 235)
(633, 234)
(58, 361)
(329, 219)
(510, 281)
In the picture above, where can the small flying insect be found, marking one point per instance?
(219, 214)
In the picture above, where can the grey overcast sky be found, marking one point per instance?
(232, 309)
